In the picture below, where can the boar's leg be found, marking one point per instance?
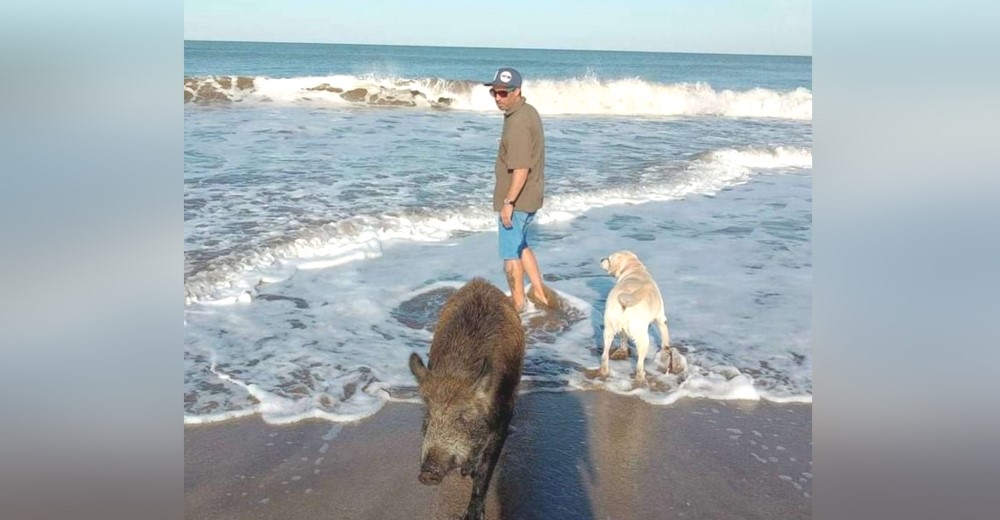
(470, 464)
(482, 475)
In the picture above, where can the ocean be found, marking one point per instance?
(335, 195)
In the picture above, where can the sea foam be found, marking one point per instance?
(583, 96)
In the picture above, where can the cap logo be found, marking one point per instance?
(505, 76)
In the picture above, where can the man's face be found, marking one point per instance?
(505, 98)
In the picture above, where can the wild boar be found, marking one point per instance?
(469, 386)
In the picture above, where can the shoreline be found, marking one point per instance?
(581, 454)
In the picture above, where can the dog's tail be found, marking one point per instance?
(628, 299)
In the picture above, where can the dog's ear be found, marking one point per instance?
(616, 260)
(624, 260)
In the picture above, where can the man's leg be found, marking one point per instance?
(531, 268)
(515, 279)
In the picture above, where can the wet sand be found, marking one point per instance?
(577, 455)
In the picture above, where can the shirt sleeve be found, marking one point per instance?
(520, 146)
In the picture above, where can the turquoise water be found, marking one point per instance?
(284, 60)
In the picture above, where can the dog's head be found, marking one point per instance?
(618, 262)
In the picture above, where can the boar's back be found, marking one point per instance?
(479, 327)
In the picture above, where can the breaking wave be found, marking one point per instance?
(588, 96)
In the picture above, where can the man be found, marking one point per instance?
(520, 184)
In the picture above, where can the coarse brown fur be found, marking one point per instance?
(469, 386)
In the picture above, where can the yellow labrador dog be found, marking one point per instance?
(633, 303)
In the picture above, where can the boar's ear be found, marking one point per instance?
(418, 368)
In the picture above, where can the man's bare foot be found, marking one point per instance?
(540, 297)
(518, 306)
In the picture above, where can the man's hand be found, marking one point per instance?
(506, 213)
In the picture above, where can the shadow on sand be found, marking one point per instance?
(545, 471)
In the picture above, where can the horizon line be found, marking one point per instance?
(506, 48)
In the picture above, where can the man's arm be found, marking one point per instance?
(520, 176)
(516, 184)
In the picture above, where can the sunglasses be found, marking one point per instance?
(502, 93)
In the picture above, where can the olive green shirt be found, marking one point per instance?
(522, 145)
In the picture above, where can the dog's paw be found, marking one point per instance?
(671, 361)
(677, 364)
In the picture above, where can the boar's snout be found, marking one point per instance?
(431, 474)
(433, 469)
(428, 478)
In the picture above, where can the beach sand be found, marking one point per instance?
(576, 455)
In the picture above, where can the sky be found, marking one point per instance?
(709, 26)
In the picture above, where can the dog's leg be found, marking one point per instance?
(641, 339)
(609, 337)
(661, 324)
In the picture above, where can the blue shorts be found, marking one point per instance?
(515, 239)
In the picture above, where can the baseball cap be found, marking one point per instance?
(505, 77)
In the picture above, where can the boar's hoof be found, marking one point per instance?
(429, 479)
(475, 513)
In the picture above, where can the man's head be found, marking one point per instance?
(505, 87)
